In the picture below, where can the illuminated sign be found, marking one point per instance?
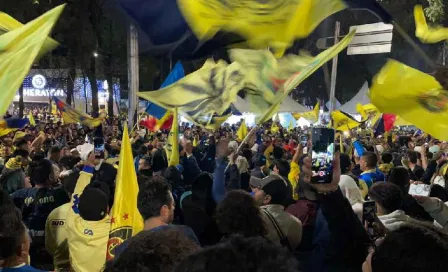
(39, 81)
(43, 92)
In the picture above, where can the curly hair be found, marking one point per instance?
(154, 251)
(415, 246)
(241, 254)
(152, 196)
(12, 231)
(239, 214)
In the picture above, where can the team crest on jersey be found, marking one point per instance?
(434, 102)
(116, 238)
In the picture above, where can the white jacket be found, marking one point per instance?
(394, 220)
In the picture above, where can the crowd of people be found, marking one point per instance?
(230, 205)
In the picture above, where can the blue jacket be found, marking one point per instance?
(372, 176)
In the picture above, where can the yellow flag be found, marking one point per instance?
(126, 220)
(31, 118)
(289, 85)
(242, 131)
(7, 23)
(54, 109)
(312, 116)
(360, 109)
(172, 147)
(5, 131)
(203, 95)
(414, 96)
(275, 24)
(343, 122)
(428, 34)
(73, 116)
(18, 50)
(274, 127)
(291, 126)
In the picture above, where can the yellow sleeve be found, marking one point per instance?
(292, 177)
(267, 154)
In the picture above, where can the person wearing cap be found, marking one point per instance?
(270, 194)
(88, 221)
(13, 177)
(431, 168)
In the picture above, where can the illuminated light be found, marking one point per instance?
(38, 81)
(346, 133)
(95, 54)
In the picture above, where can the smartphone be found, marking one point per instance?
(304, 140)
(98, 143)
(322, 155)
(419, 189)
(368, 211)
(368, 215)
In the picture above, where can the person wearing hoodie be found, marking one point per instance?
(388, 198)
(436, 208)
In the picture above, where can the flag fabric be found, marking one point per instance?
(360, 110)
(31, 118)
(54, 109)
(295, 80)
(163, 117)
(291, 126)
(414, 96)
(7, 23)
(312, 116)
(274, 127)
(428, 34)
(19, 49)
(71, 115)
(343, 121)
(203, 95)
(242, 131)
(126, 220)
(275, 23)
(172, 147)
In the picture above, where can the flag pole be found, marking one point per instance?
(133, 73)
(334, 69)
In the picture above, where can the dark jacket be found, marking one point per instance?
(191, 169)
(12, 180)
(341, 243)
(232, 177)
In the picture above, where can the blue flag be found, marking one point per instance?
(176, 73)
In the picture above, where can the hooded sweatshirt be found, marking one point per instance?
(394, 220)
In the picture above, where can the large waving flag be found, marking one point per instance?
(202, 95)
(7, 23)
(428, 34)
(343, 121)
(295, 80)
(273, 23)
(19, 49)
(126, 220)
(172, 147)
(70, 115)
(164, 118)
(414, 96)
(242, 131)
(312, 116)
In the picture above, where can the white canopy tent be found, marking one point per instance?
(361, 97)
(288, 105)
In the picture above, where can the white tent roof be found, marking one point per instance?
(361, 97)
(288, 105)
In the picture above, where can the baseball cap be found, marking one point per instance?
(93, 202)
(261, 183)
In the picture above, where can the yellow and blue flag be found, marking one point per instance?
(18, 50)
(274, 24)
(204, 96)
(125, 218)
(71, 115)
(414, 96)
